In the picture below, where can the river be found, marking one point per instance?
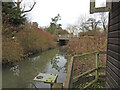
(22, 74)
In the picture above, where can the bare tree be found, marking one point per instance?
(18, 3)
(93, 23)
(104, 20)
(81, 23)
(71, 28)
(85, 23)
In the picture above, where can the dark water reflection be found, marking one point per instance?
(22, 74)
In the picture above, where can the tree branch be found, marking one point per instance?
(21, 0)
(29, 9)
(18, 3)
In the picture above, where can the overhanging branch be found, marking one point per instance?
(29, 9)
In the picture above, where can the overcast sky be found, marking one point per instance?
(69, 11)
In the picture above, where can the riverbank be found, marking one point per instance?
(83, 45)
(28, 41)
(86, 44)
(19, 76)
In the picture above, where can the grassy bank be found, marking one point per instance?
(28, 41)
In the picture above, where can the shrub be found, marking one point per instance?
(11, 50)
(27, 41)
(86, 44)
(35, 40)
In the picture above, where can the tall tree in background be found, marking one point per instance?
(72, 28)
(81, 23)
(55, 20)
(92, 23)
(104, 18)
(53, 24)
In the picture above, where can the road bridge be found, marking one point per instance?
(63, 39)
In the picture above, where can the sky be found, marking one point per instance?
(69, 10)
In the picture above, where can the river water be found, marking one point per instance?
(22, 74)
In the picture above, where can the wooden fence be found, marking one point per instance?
(69, 78)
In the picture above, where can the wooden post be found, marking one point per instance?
(92, 6)
(68, 80)
(97, 65)
(57, 86)
(0, 37)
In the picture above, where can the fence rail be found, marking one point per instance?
(69, 78)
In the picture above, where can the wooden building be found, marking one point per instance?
(113, 47)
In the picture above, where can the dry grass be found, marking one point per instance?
(11, 50)
(86, 44)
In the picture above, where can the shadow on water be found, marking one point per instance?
(22, 74)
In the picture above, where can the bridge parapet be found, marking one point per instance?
(68, 36)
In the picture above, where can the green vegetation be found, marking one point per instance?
(55, 28)
(53, 25)
(12, 19)
(11, 14)
(96, 85)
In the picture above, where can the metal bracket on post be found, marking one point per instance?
(93, 9)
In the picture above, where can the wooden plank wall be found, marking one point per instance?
(113, 54)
